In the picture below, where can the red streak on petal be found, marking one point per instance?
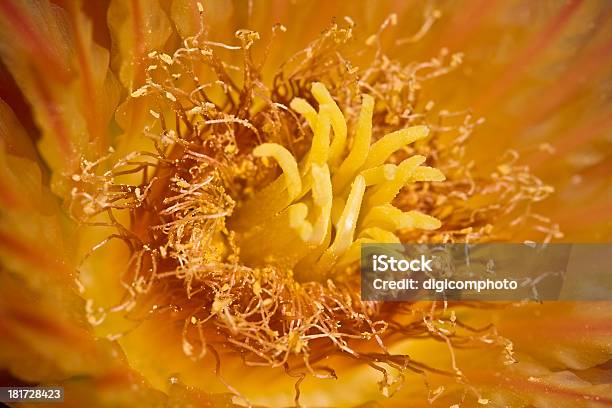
(521, 61)
(571, 81)
(139, 46)
(465, 24)
(41, 324)
(32, 255)
(576, 328)
(588, 214)
(120, 376)
(575, 138)
(8, 198)
(54, 115)
(541, 388)
(48, 63)
(5, 333)
(45, 328)
(546, 101)
(85, 65)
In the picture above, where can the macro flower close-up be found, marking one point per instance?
(187, 188)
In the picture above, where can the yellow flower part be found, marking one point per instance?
(185, 187)
(338, 199)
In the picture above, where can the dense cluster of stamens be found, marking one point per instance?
(264, 251)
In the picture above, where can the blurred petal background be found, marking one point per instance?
(539, 73)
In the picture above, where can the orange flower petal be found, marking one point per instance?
(64, 76)
(137, 27)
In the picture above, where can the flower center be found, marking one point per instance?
(314, 216)
(241, 209)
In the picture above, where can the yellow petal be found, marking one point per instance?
(137, 28)
(65, 78)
